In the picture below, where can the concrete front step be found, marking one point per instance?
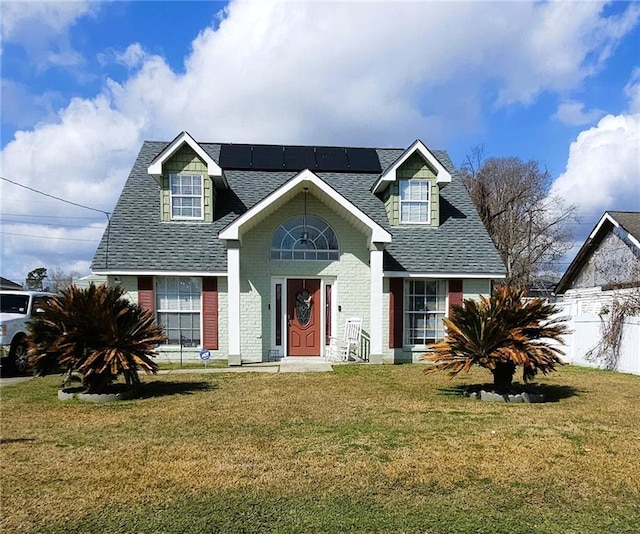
(304, 364)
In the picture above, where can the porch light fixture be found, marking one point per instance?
(304, 237)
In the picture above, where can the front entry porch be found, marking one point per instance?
(302, 317)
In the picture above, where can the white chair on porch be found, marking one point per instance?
(341, 350)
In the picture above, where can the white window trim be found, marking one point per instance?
(401, 201)
(159, 310)
(405, 312)
(313, 222)
(172, 196)
(324, 281)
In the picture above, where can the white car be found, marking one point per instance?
(16, 309)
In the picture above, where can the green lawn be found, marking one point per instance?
(362, 449)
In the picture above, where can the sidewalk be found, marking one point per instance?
(8, 380)
(288, 365)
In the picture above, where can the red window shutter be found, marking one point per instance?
(145, 292)
(455, 293)
(396, 286)
(210, 312)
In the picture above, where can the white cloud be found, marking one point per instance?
(603, 169)
(574, 114)
(632, 90)
(370, 73)
(41, 29)
(132, 57)
(25, 247)
(560, 45)
(22, 108)
(17, 17)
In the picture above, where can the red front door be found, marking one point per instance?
(303, 311)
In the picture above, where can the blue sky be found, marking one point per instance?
(85, 83)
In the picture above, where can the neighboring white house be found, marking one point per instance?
(89, 280)
(607, 268)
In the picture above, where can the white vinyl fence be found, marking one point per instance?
(586, 327)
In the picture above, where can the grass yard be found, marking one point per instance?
(362, 449)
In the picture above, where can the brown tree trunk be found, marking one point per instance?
(503, 376)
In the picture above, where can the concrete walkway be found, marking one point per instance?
(8, 380)
(288, 365)
(305, 365)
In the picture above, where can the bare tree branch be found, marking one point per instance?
(528, 228)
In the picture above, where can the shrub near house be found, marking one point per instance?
(500, 333)
(98, 333)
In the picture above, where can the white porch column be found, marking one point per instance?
(233, 308)
(375, 332)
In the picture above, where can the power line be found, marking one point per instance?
(49, 237)
(55, 197)
(106, 213)
(53, 224)
(50, 216)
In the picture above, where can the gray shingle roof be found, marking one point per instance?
(138, 240)
(630, 222)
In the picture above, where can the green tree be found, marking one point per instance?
(35, 280)
(500, 333)
(97, 332)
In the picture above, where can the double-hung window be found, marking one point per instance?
(187, 196)
(415, 201)
(179, 305)
(424, 307)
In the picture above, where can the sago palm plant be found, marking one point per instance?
(98, 333)
(500, 333)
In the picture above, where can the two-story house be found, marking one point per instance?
(251, 251)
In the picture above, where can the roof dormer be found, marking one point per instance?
(418, 147)
(213, 169)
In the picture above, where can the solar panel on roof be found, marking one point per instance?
(235, 156)
(332, 159)
(297, 158)
(267, 158)
(363, 160)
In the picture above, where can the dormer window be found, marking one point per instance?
(415, 201)
(187, 197)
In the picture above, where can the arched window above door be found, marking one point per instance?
(304, 238)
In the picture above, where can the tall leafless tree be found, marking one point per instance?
(529, 228)
(59, 279)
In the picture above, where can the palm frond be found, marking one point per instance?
(97, 332)
(498, 331)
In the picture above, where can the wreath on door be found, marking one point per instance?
(303, 307)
